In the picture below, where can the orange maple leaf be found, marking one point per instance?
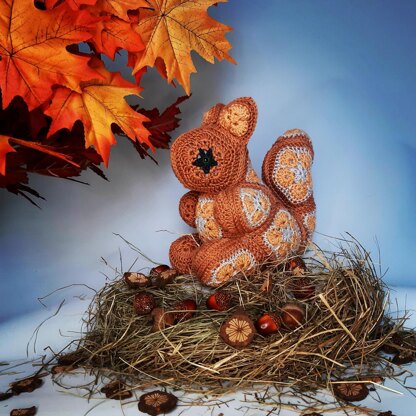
(113, 34)
(171, 29)
(73, 4)
(120, 8)
(33, 54)
(4, 149)
(100, 104)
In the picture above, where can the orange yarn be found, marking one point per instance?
(241, 222)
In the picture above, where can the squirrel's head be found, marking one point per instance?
(214, 156)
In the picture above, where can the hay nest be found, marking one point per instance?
(346, 327)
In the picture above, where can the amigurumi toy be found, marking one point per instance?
(241, 221)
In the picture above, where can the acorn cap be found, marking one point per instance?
(28, 411)
(185, 305)
(292, 315)
(26, 385)
(350, 392)
(238, 331)
(136, 280)
(157, 402)
(165, 277)
(144, 303)
(116, 390)
(268, 323)
(161, 319)
(221, 301)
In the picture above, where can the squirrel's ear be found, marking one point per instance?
(239, 118)
(211, 116)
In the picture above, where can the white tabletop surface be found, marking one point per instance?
(53, 400)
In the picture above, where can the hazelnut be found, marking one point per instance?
(302, 288)
(268, 323)
(184, 310)
(220, 301)
(144, 303)
(161, 319)
(292, 315)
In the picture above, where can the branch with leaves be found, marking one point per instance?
(61, 108)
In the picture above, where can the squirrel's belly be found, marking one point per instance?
(208, 228)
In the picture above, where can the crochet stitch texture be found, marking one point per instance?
(241, 221)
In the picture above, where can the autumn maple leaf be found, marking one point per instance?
(100, 104)
(4, 149)
(113, 34)
(171, 29)
(33, 54)
(120, 8)
(73, 4)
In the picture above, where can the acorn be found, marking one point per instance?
(295, 266)
(144, 303)
(161, 319)
(302, 288)
(136, 280)
(116, 390)
(26, 385)
(221, 300)
(157, 402)
(292, 315)
(165, 277)
(28, 411)
(268, 323)
(185, 305)
(238, 331)
(351, 392)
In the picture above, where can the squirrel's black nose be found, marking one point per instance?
(205, 160)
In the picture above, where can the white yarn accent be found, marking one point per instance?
(244, 192)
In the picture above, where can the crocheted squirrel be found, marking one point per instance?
(241, 221)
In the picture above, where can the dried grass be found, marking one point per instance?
(346, 325)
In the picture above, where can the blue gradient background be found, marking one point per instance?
(342, 70)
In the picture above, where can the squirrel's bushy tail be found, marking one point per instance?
(287, 172)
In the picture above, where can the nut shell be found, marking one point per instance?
(155, 271)
(351, 392)
(157, 402)
(116, 390)
(268, 323)
(295, 266)
(26, 385)
(136, 280)
(221, 301)
(5, 396)
(165, 277)
(28, 411)
(292, 315)
(238, 331)
(144, 303)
